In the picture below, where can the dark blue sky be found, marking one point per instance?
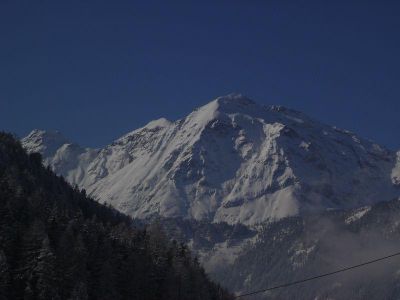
(95, 71)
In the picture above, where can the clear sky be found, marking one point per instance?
(97, 69)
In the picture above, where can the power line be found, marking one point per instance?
(318, 276)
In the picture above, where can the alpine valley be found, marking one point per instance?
(263, 194)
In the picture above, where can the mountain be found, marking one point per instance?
(56, 243)
(231, 161)
(219, 176)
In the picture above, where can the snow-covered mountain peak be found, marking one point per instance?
(234, 104)
(230, 160)
(222, 110)
(45, 142)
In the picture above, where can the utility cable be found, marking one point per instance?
(318, 276)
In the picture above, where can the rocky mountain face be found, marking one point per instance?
(232, 161)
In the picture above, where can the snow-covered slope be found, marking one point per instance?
(231, 160)
(396, 171)
(66, 158)
(45, 142)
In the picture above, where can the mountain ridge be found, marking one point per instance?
(230, 160)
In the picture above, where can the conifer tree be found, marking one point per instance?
(45, 271)
(4, 277)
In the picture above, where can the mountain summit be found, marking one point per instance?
(230, 160)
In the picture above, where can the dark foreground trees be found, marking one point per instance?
(56, 243)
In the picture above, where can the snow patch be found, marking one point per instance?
(162, 122)
(304, 145)
(358, 214)
(396, 171)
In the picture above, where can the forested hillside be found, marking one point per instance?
(57, 243)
